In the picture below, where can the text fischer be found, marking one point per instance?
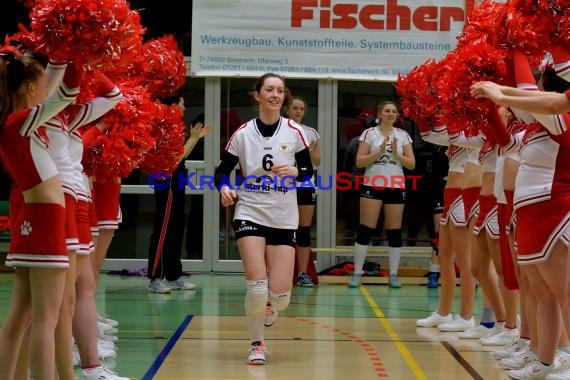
(391, 16)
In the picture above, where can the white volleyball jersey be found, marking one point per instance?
(312, 135)
(263, 198)
(387, 166)
(457, 155)
(58, 149)
(543, 172)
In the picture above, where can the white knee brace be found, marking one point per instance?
(280, 301)
(256, 297)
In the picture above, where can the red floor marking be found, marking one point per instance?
(373, 356)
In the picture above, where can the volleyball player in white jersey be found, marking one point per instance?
(306, 196)
(273, 153)
(384, 151)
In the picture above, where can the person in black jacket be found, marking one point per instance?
(165, 273)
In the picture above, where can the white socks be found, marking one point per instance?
(360, 252)
(394, 259)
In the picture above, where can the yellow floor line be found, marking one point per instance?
(414, 366)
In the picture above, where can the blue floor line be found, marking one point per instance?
(149, 375)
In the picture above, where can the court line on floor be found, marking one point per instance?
(461, 360)
(373, 356)
(414, 366)
(155, 366)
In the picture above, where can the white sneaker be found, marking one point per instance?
(271, 316)
(512, 349)
(105, 353)
(106, 329)
(474, 333)
(506, 336)
(561, 361)
(458, 324)
(101, 335)
(435, 319)
(518, 361)
(257, 354)
(559, 375)
(99, 373)
(355, 281)
(535, 370)
(106, 320)
(157, 286)
(106, 344)
(180, 284)
(76, 359)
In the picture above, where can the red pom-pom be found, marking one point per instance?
(473, 63)
(168, 131)
(415, 87)
(129, 137)
(486, 23)
(165, 67)
(534, 25)
(421, 99)
(98, 33)
(161, 68)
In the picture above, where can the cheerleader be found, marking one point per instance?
(453, 239)
(542, 247)
(85, 316)
(38, 247)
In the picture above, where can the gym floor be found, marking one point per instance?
(328, 332)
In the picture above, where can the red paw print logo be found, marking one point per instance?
(26, 228)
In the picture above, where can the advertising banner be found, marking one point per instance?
(342, 39)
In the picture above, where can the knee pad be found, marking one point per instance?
(363, 234)
(394, 238)
(256, 297)
(280, 301)
(304, 236)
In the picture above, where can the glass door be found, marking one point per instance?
(130, 246)
(357, 110)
